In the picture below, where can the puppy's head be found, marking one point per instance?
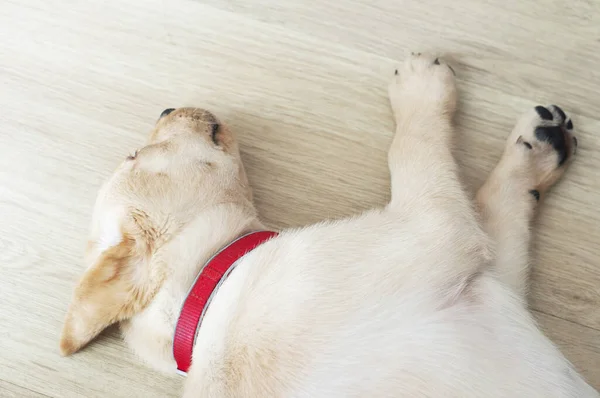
(189, 167)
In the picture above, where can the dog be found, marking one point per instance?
(423, 298)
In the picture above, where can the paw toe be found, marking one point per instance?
(543, 113)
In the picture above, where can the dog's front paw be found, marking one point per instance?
(543, 142)
(424, 84)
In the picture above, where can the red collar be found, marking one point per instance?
(214, 273)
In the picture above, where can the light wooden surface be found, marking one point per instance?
(303, 84)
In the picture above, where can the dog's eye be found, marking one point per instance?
(132, 157)
(213, 133)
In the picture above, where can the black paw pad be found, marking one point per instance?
(437, 61)
(569, 125)
(560, 112)
(536, 194)
(554, 136)
(544, 113)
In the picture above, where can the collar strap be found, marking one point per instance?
(212, 275)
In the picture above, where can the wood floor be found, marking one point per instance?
(303, 84)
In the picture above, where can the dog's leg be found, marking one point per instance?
(423, 99)
(426, 190)
(536, 155)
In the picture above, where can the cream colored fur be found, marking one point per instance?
(424, 298)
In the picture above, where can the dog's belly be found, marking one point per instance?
(478, 347)
(374, 307)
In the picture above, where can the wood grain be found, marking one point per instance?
(303, 84)
(10, 390)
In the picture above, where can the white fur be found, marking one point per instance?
(111, 234)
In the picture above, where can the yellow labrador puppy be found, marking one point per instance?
(423, 298)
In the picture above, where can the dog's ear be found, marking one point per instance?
(112, 289)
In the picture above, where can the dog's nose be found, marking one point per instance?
(166, 112)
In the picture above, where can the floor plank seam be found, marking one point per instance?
(564, 319)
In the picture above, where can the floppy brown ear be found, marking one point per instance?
(110, 291)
